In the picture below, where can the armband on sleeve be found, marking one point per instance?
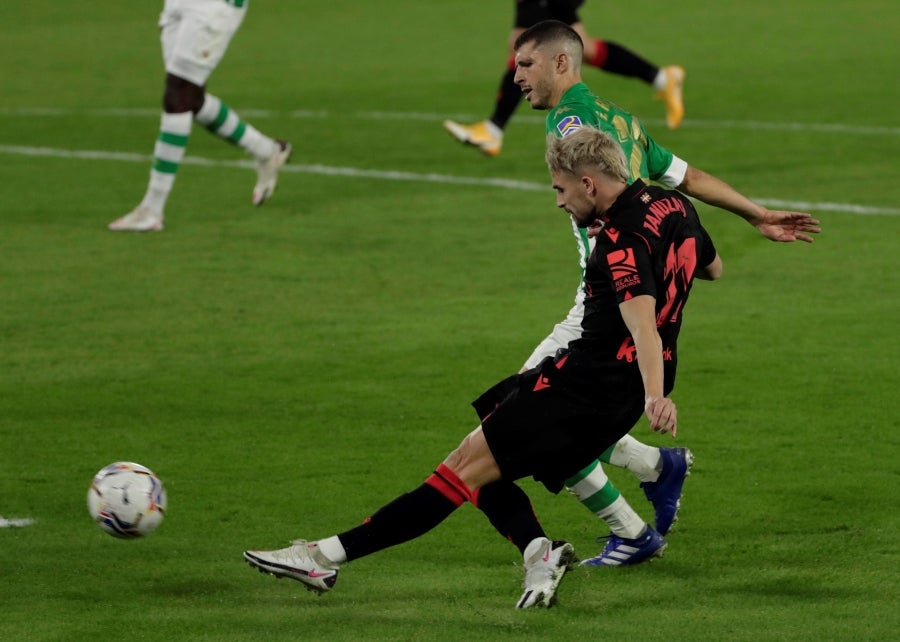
(674, 176)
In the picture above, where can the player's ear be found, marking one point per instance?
(588, 184)
(562, 62)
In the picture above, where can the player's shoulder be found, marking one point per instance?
(644, 207)
(655, 198)
(568, 117)
(666, 210)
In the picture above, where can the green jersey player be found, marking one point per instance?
(548, 70)
(578, 107)
(487, 135)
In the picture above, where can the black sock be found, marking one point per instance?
(405, 518)
(620, 60)
(508, 98)
(510, 511)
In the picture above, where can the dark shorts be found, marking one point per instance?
(549, 424)
(531, 12)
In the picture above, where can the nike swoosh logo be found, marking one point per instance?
(315, 575)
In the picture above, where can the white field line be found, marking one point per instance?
(389, 175)
(827, 128)
(312, 114)
(15, 522)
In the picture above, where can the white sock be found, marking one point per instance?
(594, 490)
(224, 122)
(637, 457)
(493, 130)
(661, 79)
(332, 548)
(622, 519)
(174, 130)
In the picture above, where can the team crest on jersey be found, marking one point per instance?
(568, 125)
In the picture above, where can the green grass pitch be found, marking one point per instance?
(287, 370)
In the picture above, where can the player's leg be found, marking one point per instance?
(194, 40)
(270, 154)
(412, 514)
(509, 94)
(591, 487)
(487, 135)
(168, 152)
(617, 59)
(632, 540)
(207, 32)
(408, 516)
(661, 471)
(316, 563)
(181, 98)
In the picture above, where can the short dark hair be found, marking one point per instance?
(549, 31)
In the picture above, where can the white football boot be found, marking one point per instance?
(140, 219)
(267, 172)
(302, 561)
(484, 135)
(546, 563)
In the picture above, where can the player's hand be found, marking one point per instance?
(594, 228)
(662, 414)
(787, 227)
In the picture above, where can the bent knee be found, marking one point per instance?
(473, 462)
(182, 95)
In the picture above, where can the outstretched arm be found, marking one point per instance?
(776, 225)
(639, 314)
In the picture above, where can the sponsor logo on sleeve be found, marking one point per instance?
(568, 125)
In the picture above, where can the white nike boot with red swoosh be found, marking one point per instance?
(546, 563)
(302, 561)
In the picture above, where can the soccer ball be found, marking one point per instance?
(127, 500)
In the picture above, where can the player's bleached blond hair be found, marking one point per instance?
(587, 149)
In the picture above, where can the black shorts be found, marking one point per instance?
(550, 424)
(531, 12)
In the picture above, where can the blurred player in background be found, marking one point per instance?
(548, 70)
(195, 35)
(553, 419)
(487, 135)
